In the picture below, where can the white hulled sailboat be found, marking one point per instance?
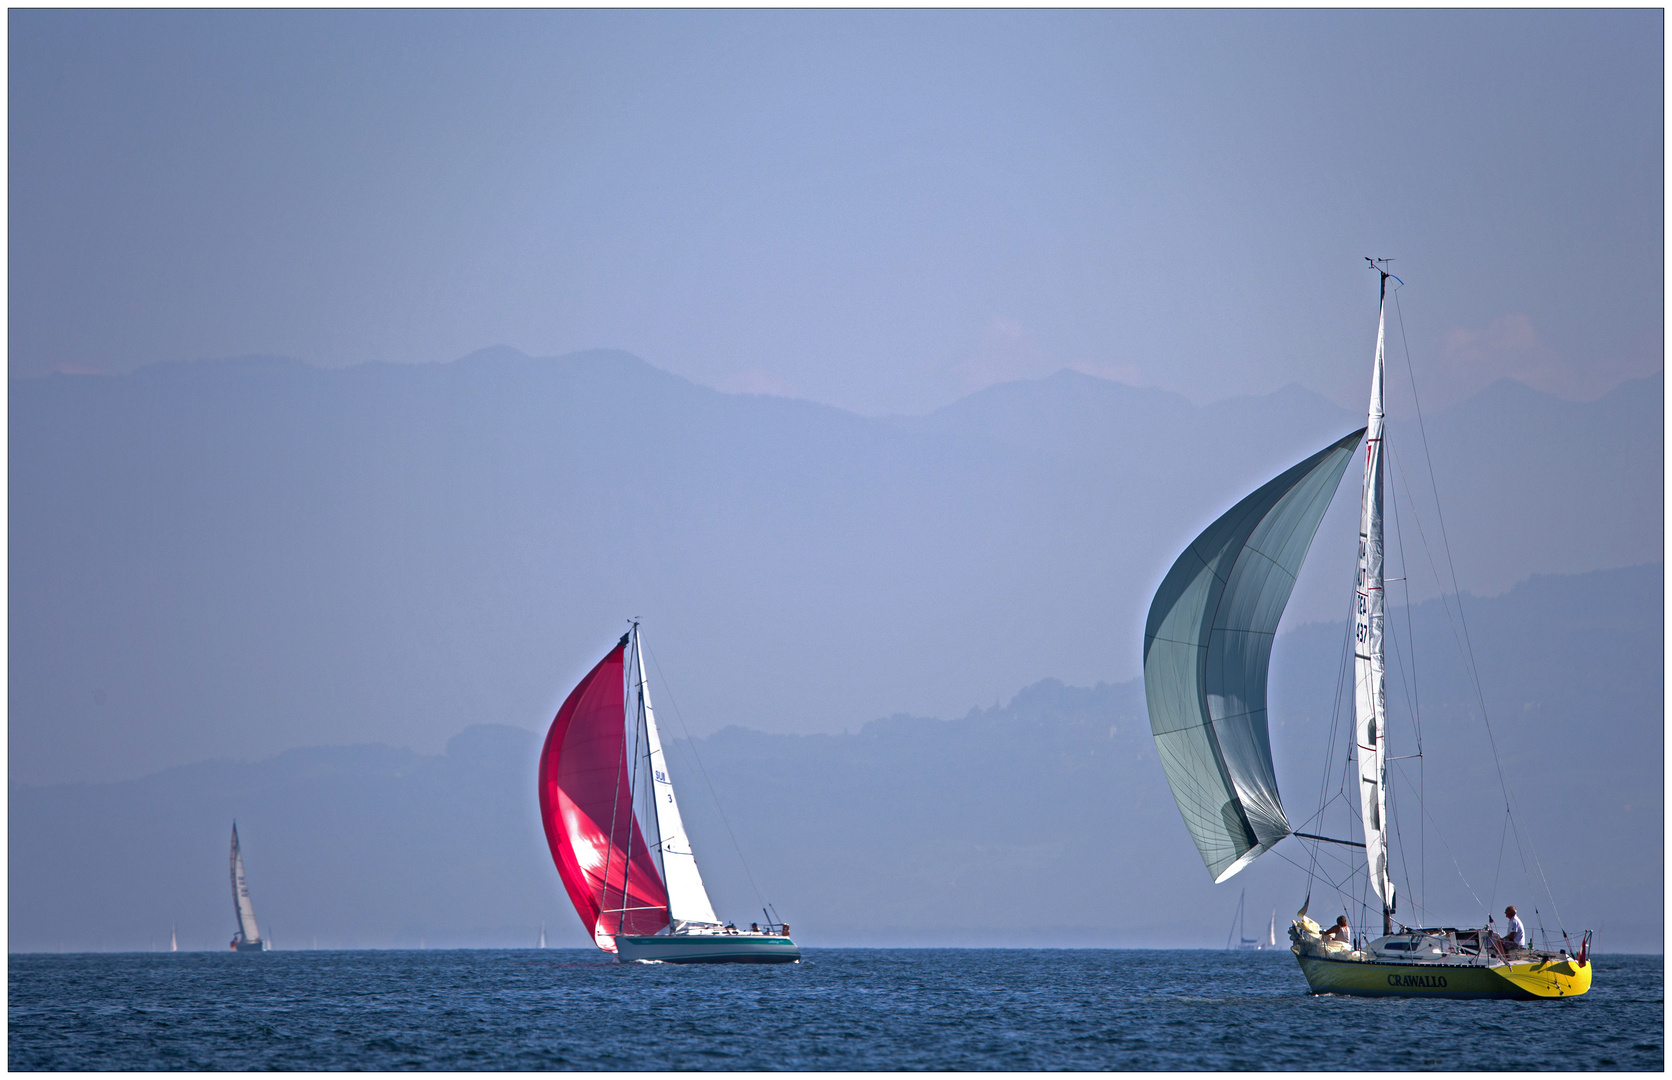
(616, 835)
(1207, 647)
(248, 937)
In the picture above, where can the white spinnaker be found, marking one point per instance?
(241, 894)
(1369, 663)
(688, 901)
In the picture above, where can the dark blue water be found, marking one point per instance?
(964, 1009)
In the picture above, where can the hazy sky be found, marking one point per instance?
(877, 210)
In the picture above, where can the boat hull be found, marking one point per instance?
(1524, 980)
(707, 948)
(250, 946)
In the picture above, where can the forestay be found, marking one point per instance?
(1207, 645)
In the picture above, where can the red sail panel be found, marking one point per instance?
(584, 795)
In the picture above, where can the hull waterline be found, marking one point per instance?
(1524, 980)
(707, 948)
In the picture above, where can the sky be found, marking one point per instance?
(884, 212)
(877, 210)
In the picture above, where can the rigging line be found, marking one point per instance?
(1409, 690)
(1317, 815)
(1338, 886)
(1439, 585)
(1393, 815)
(1335, 716)
(1415, 690)
(1498, 870)
(691, 745)
(615, 805)
(1474, 674)
(1445, 844)
(1410, 634)
(1462, 643)
(632, 784)
(1451, 566)
(1439, 513)
(1527, 876)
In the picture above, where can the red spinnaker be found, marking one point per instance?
(586, 805)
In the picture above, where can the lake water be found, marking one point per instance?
(840, 1009)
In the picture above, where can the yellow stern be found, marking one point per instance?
(1548, 978)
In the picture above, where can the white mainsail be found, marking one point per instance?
(688, 901)
(241, 894)
(1369, 661)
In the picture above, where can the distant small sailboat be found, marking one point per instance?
(605, 789)
(542, 943)
(1238, 928)
(173, 938)
(248, 937)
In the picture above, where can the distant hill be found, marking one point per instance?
(1045, 820)
(235, 558)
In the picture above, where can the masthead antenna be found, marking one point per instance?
(1380, 266)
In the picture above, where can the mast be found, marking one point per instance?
(1369, 659)
(628, 746)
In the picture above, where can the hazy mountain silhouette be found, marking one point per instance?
(233, 558)
(1042, 821)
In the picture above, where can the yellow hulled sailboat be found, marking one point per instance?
(1207, 648)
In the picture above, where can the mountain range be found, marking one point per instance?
(1045, 820)
(236, 558)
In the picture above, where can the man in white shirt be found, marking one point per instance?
(1515, 934)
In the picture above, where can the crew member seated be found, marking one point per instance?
(754, 928)
(1515, 934)
(1339, 931)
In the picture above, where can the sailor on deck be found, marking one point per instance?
(1515, 936)
(1339, 931)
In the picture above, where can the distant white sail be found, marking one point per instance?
(248, 933)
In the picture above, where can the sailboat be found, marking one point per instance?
(542, 942)
(1207, 646)
(615, 833)
(248, 937)
(1239, 928)
(173, 938)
